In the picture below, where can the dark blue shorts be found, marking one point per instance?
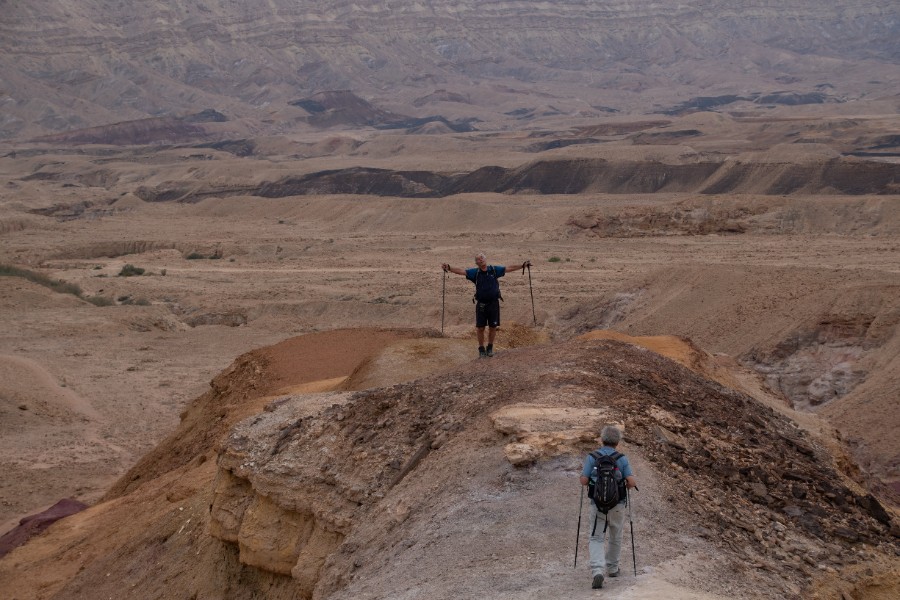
(487, 314)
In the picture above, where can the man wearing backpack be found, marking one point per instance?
(607, 474)
(487, 297)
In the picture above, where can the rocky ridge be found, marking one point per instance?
(81, 64)
(581, 176)
(345, 494)
(760, 486)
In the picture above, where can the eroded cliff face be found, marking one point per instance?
(331, 497)
(77, 64)
(582, 176)
(463, 484)
(270, 537)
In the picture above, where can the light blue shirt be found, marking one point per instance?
(622, 462)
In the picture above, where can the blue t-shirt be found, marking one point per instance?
(622, 463)
(498, 272)
(487, 288)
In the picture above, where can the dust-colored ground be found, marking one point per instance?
(801, 289)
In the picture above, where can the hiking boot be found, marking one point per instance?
(614, 573)
(598, 582)
(490, 350)
(482, 353)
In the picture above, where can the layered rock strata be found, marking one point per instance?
(75, 64)
(582, 176)
(316, 494)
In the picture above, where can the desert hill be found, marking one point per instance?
(467, 478)
(75, 65)
(835, 176)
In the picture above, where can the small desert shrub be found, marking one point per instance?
(100, 300)
(66, 288)
(57, 285)
(142, 302)
(162, 272)
(194, 256)
(130, 270)
(554, 259)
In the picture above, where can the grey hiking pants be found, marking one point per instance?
(606, 558)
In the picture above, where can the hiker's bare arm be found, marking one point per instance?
(584, 480)
(457, 270)
(630, 482)
(517, 267)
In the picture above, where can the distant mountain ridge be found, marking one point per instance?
(68, 65)
(835, 176)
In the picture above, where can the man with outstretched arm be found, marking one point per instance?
(606, 560)
(487, 297)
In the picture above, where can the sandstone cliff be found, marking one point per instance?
(465, 484)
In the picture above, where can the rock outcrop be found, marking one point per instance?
(583, 176)
(296, 490)
(427, 488)
(32, 525)
(163, 130)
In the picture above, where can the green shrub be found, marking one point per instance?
(130, 270)
(66, 288)
(194, 256)
(100, 300)
(57, 285)
(132, 301)
(554, 259)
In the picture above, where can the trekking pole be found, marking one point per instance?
(532, 295)
(578, 531)
(630, 521)
(443, 298)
